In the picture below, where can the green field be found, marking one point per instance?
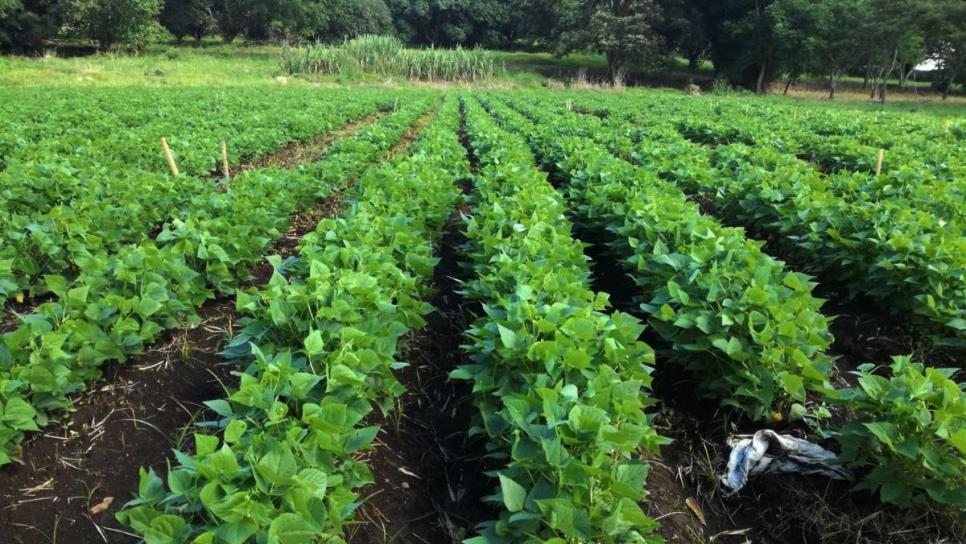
(522, 309)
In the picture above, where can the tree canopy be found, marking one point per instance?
(750, 43)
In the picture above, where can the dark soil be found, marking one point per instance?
(427, 470)
(412, 133)
(429, 475)
(299, 152)
(771, 509)
(143, 410)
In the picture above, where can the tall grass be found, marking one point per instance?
(386, 56)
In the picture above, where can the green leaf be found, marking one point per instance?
(277, 466)
(235, 430)
(884, 432)
(20, 415)
(508, 337)
(341, 374)
(291, 529)
(165, 529)
(313, 343)
(514, 495)
(220, 406)
(958, 440)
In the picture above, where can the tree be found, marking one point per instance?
(25, 24)
(287, 20)
(350, 18)
(491, 23)
(794, 36)
(946, 41)
(623, 30)
(751, 33)
(111, 21)
(891, 35)
(187, 18)
(683, 30)
(232, 17)
(835, 50)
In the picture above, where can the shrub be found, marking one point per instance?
(910, 429)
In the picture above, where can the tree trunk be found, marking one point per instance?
(885, 77)
(833, 82)
(614, 65)
(948, 87)
(760, 87)
(787, 85)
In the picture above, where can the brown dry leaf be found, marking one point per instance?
(696, 508)
(102, 506)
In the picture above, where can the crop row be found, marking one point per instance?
(907, 429)
(118, 129)
(933, 180)
(121, 302)
(749, 329)
(834, 139)
(908, 259)
(561, 383)
(319, 351)
(59, 210)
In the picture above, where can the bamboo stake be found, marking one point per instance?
(169, 156)
(224, 160)
(878, 166)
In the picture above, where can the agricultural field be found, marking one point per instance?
(456, 314)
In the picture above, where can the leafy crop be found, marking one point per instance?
(908, 431)
(895, 238)
(560, 384)
(121, 302)
(748, 329)
(386, 56)
(320, 345)
(74, 191)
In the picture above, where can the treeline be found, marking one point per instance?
(751, 43)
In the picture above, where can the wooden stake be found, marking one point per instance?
(878, 166)
(169, 156)
(570, 105)
(224, 160)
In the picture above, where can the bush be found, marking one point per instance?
(911, 430)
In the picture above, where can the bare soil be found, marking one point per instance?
(429, 474)
(142, 411)
(299, 152)
(428, 478)
(81, 472)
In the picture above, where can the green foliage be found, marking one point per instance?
(908, 431)
(24, 24)
(746, 327)
(447, 23)
(121, 301)
(66, 209)
(560, 384)
(386, 56)
(621, 29)
(187, 18)
(113, 22)
(896, 238)
(320, 345)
